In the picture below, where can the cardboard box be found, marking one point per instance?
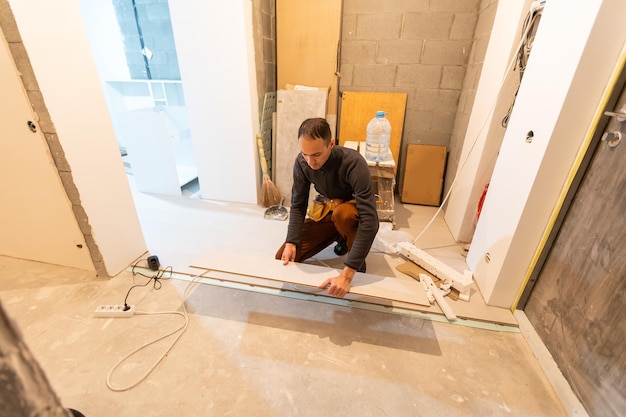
(423, 174)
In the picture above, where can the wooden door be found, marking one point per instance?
(578, 303)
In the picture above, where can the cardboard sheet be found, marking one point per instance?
(424, 174)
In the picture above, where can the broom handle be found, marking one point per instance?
(259, 143)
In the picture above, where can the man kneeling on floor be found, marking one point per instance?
(343, 212)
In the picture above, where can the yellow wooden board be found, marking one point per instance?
(307, 38)
(359, 107)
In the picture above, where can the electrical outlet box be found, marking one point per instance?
(114, 310)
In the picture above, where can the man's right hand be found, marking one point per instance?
(289, 253)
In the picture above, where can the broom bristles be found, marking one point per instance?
(270, 195)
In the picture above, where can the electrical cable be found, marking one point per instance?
(531, 23)
(181, 329)
(510, 67)
(156, 277)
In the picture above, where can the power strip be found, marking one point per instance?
(114, 310)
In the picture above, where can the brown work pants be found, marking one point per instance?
(340, 224)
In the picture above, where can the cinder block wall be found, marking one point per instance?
(482, 33)
(264, 27)
(148, 22)
(426, 48)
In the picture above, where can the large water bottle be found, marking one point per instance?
(377, 138)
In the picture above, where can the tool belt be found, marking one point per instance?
(321, 206)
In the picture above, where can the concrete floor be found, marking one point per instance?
(255, 353)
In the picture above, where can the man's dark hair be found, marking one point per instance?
(316, 128)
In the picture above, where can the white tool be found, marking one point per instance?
(429, 293)
(460, 282)
(438, 295)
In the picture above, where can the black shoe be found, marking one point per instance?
(363, 268)
(341, 248)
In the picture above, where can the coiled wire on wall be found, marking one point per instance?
(531, 23)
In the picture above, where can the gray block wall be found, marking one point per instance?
(264, 27)
(147, 23)
(430, 49)
(482, 33)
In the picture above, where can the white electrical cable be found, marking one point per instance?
(182, 328)
(462, 165)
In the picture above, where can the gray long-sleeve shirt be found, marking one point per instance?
(344, 176)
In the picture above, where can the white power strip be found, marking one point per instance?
(114, 310)
(462, 282)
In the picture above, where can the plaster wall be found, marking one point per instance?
(559, 99)
(216, 60)
(55, 39)
(483, 136)
(36, 216)
(100, 18)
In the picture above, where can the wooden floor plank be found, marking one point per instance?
(303, 289)
(384, 291)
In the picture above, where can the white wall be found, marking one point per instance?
(56, 41)
(100, 18)
(483, 134)
(574, 56)
(216, 59)
(36, 217)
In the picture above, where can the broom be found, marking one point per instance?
(270, 195)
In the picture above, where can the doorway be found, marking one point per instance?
(135, 54)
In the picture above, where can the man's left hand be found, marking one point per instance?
(339, 286)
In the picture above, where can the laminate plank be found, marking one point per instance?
(308, 275)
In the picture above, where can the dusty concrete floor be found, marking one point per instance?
(247, 353)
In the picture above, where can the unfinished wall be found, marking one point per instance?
(558, 100)
(482, 34)
(577, 305)
(64, 82)
(37, 218)
(419, 47)
(474, 155)
(264, 28)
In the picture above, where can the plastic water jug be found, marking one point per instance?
(377, 138)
